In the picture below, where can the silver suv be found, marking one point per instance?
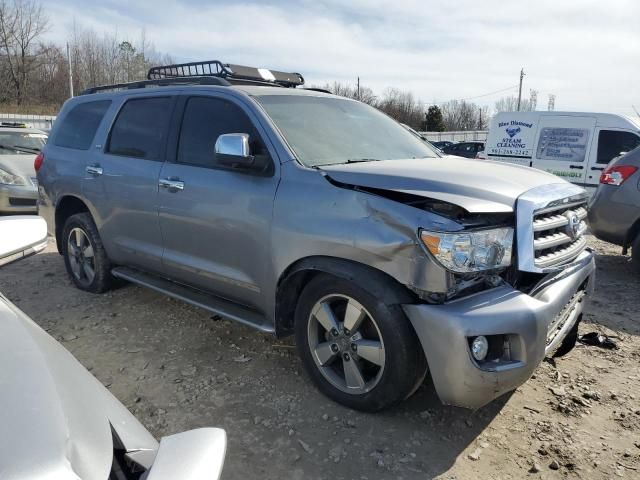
(295, 211)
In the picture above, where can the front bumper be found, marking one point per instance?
(18, 199)
(523, 319)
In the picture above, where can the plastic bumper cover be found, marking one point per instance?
(444, 330)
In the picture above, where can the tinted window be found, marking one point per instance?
(80, 124)
(141, 127)
(611, 143)
(204, 120)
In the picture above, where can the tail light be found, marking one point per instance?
(617, 174)
(37, 163)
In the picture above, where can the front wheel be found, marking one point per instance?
(358, 350)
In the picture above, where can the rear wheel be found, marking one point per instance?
(85, 259)
(358, 350)
(635, 254)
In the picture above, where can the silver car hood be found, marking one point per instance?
(21, 165)
(478, 186)
(56, 417)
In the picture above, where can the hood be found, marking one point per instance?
(478, 186)
(56, 417)
(21, 165)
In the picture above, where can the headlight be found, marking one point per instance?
(10, 179)
(466, 252)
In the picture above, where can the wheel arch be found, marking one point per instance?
(67, 206)
(297, 275)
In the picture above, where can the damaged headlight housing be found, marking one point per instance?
(468, 252)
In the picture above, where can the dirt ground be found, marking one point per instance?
(177, 368)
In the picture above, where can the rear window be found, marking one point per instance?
(141, 127)
(79, 126)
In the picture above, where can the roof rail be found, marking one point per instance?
(158, 83)
(230, 72)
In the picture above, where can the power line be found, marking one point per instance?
(483, 95)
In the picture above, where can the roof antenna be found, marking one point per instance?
(635, 110)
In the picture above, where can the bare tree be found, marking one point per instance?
(459, 115)
(22, 22)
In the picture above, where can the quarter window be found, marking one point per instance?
(79, 126)
(612, 143)
(204, 120)
(140, 129)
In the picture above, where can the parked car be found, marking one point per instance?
(442, 144)
(19, 145)
(614, 213)
(422, 137)
(58, 421)
(464, 149)
(573, 145)
(299, 212)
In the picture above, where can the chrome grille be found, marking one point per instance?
(558, 233)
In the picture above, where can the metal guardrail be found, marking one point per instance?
(456, 136)
(43, 122)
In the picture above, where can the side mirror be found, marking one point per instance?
(21, 236)
(193, 455)
(232, 150)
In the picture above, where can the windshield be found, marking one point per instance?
(329, 131)
(21, 142)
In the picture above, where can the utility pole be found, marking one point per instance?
(358, 88)
(70, 71)
(520, 90)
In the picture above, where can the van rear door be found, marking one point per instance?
(563, 146)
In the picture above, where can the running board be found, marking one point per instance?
(213, 304)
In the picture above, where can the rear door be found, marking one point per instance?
(216, 223)
(608, 144)
(121, 182)
(563, 146)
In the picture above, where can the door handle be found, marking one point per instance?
(94, 170)
(171, 184)
(597, 168)
(578, 167)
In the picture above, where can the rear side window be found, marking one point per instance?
(204, 120)
(79, 126)
(612, 143)
(141, 127)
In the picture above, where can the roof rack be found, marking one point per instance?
(230, 72)
(159, 83)
(212, 72)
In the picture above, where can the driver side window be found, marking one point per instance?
(203, 121)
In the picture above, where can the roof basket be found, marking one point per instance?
(230, 72)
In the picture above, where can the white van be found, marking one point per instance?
(574, 146)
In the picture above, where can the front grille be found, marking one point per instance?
(22, 202)
(558, 233)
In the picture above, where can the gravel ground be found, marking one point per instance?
(178, 368)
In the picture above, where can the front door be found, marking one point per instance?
(121, 182)
(608, 144)
(563, 146)
(216, 220)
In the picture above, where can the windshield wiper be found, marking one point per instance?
(20, 149)
(361, 160)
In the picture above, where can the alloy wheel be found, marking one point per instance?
(346, 344)
(81, 256)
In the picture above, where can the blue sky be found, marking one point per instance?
(585, 52)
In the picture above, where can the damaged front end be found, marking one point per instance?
(473, 250)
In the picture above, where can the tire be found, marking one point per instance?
(635, 254)
(85, 259)
(387, 363)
